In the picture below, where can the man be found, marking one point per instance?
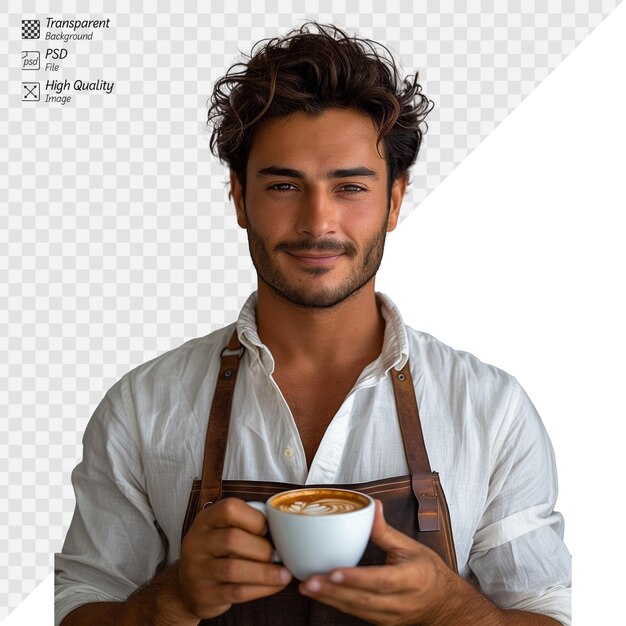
(319, 132)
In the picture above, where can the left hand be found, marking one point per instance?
(412, 587)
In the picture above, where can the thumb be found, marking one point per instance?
(387, 537)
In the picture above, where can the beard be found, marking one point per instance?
(365, 264)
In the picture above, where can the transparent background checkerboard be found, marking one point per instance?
(118, 241)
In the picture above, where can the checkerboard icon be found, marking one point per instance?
(30, 29)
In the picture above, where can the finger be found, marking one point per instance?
(236, 593)
(232, 512)
(390, 539)
(236, 542)
(244, 572)
(378, 579)
(368, 605)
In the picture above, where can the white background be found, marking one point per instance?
(519, 256)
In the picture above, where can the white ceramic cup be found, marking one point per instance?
(315, 543)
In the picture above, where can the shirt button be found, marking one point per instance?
(288, 453)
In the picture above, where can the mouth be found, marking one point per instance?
(313, 258)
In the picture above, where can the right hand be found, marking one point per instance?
(225, 560)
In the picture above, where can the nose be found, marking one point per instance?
(317, 215)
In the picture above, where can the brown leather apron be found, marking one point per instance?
(414, 504)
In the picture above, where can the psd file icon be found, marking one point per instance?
(30, 29)
(30, 59)
(30, 92)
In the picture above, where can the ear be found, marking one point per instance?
(236, 192)
(398, 189)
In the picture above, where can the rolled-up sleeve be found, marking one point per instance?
(113, 544)
(519, 556)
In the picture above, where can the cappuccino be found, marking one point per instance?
(319, 502)
(317, 529)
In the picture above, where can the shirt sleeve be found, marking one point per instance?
(518, 555)
(113, 544)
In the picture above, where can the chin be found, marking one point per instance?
(316, 298)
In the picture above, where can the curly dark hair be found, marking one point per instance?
(310, 69)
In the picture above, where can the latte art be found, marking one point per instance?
(317, 501)
(326, 506)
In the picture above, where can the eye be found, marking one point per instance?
(352, 189)
(282, 187)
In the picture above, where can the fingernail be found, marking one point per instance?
(337, 577)
(312, 585)
(284, 575)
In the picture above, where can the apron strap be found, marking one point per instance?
(422, 476)
(219, 419)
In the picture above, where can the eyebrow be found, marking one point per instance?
(349, 172)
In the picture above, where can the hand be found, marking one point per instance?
(410, 588)
(225, 560)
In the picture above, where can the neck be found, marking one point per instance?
(339, 336)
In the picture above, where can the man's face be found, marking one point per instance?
(316, 206)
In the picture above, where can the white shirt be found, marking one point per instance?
(144, 446)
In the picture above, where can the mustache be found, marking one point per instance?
(327, 245)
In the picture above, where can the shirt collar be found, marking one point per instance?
(249, 336)
(395, 352)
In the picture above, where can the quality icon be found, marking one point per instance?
(30, 92)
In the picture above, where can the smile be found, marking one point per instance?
(315, 259)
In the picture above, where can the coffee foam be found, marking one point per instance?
(319, 502)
